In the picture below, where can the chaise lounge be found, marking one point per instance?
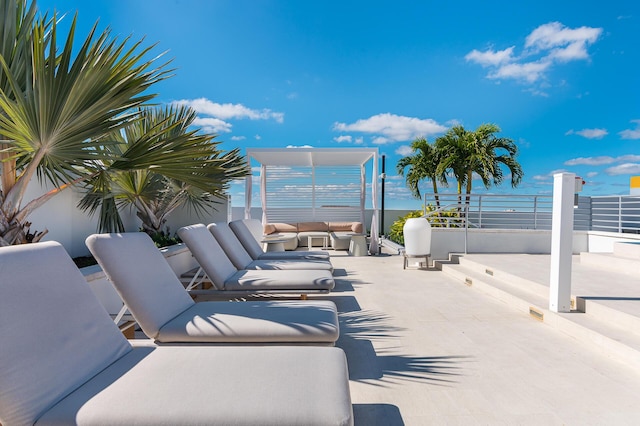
(226, 277)
(166, 313)
(64, 361)
(248, 232)
(242, 260)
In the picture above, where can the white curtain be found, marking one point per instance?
(373, 245)
(247, 193)
(363, 191)
(263, 192)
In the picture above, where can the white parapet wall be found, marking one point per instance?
(602, 242)
(452, 240)
(70, 226)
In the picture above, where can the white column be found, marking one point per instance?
(561, 242)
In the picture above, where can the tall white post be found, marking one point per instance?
(561, 242)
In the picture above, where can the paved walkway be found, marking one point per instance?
(424, 349)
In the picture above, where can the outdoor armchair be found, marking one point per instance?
(226, 277)
(241, 259)
(166, 312)
(64, 361)
(242, 230)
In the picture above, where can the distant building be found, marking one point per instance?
(634, 185)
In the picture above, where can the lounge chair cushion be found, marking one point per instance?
(230, 244)
(255, 322)
(146, 280)
(54, 334)
(214, 261)
(242, 229)
(214, 385)
(278, 280)
(241, 259)
(209, 253)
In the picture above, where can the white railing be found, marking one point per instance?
(616, 213)
(493, 211)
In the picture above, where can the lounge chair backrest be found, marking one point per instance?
(143, 278)
(247, 238)
(54, 334)
(208, 253)
(230, 244)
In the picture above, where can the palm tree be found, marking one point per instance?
(467, 152)
(421, 165)
(55, 110)
(490, 153)
(159, 165)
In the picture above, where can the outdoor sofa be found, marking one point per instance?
(64, 361)
(338, 234)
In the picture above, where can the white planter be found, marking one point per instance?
(417, 237)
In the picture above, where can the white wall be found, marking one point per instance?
(70, 226)
(451, 240)
(602, 242)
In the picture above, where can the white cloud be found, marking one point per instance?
(212, 125)
(489, 57)
(343, 138)
(299, 146)
(631, 133)
(549, 44)
(590, 161)
(213, 117)
(229, 111)
(592, 174)
(589, 133)
(624, 169)
(565, 43)
(404, 150)
(257, 137)
(238, 138)
(628, 158)
(392, 128)
(530, 71)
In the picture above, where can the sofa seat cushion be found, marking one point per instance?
(276, 385)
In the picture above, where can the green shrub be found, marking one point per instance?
(395, 233)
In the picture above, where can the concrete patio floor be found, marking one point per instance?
(425, 349)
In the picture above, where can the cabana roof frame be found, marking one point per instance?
(316, 157)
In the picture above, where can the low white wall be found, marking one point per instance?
(70, 226)
(602, 242)
(451, 240)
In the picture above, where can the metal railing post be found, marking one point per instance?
(466, 228)
(535, 212)
(480, 211)
(620, 214)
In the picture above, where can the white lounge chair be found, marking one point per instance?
(242, 260)
(166, 312)
(226, 277)
(242, 230)
(64, 361)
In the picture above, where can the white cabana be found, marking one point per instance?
(315, 184)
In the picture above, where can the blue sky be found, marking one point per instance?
(560, 78)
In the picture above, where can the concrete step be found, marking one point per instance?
(611, 333)
(628, 250)
(611, 262)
